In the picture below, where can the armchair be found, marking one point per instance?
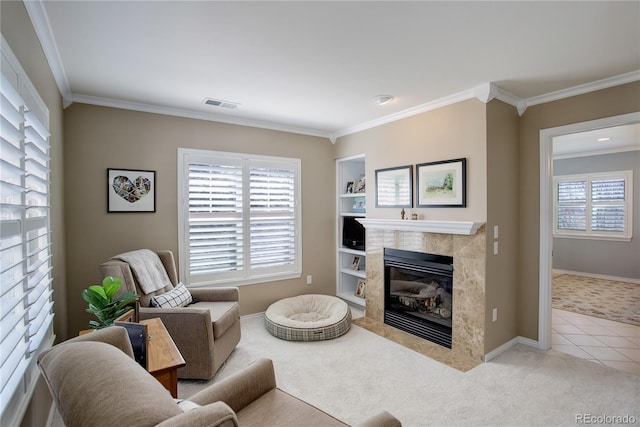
(205, 332)
(95, 381)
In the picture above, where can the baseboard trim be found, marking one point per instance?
(250, 316)
(598, 276)
(506, 346)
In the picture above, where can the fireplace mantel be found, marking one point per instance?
(467, 228)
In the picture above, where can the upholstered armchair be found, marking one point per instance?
(95, 381)
(205, 332)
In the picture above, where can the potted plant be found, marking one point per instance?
(102, 303)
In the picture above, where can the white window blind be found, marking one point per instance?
(239, 217)
(594, 205)
(25, 238)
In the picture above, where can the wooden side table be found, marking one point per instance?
(163, 357)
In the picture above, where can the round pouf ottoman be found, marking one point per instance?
(308, 318)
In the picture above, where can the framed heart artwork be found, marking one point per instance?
(130, 190)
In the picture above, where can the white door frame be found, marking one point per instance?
(546, 212)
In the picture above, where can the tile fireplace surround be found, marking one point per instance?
(465, 242)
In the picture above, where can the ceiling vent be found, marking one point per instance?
(221, 103)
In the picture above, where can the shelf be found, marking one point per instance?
(351, 251)
(353, 299)
(358, 273)
(352, 195)
(357, 214)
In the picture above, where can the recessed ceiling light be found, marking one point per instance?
(383, 99)
(606, 138)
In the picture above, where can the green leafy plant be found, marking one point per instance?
(102, 303)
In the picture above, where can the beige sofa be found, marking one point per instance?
(205, 332)
(95, 381)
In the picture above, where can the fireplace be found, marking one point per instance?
(418, 294)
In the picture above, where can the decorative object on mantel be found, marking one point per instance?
(131, 190)
(442, 184)
(104, 304)
(402, 213)
(414, 216)
(394, 187)
(444, 227)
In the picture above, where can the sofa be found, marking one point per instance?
(95, 381)
(205, 332)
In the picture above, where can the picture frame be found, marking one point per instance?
(442, 184)
(355, 264)
(361, 185)
(394, 187)
(349, 187)
(361, 288)
(131, 190)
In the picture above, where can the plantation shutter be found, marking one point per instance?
(25, 237)
(242, 216)
(607, 205)
(572, 205)
(272, 199)
(215, 218)
(594, 205)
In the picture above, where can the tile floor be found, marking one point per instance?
(603, 341)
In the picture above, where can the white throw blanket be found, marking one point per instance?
(148, 269)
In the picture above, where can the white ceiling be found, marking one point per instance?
(314, 67)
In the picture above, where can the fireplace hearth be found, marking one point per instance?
(419, 294)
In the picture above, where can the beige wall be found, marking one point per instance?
(451, 132)
(19, 34)
(595, 105)
(97, 138)
(502, 210)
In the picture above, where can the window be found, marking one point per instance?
(25, 239)
(239, 218)
(595, 206)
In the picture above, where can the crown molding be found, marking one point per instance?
(429, 106)
(621, 79)
(623, 149)
(40, 21)
(190, 114)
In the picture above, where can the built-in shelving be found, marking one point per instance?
(349, 204)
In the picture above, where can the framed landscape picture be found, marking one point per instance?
(442, 184)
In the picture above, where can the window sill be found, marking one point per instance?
(593, 237)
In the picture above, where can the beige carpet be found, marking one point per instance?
(607, 299)
(360, 373)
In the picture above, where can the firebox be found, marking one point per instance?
(418, 294)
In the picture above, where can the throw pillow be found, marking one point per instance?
(176, 297)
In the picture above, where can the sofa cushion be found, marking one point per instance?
(277, 408)
(177, 297)
(223, 315)
(80, 376)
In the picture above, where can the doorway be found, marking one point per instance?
(546, 211)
